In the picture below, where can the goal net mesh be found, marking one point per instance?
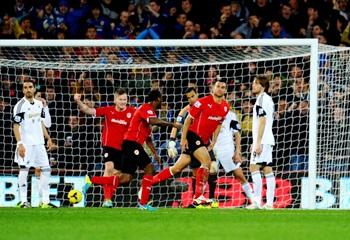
(96, 72)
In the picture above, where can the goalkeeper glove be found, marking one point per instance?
(172, 151)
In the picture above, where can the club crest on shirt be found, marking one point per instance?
(136, 152)
(197, 104)
(198, 142)
(128, 115)
(225, 109)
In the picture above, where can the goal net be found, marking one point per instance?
(311, 156)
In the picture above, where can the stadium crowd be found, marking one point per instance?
(327, 20)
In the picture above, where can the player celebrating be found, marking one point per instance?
(263, 142)
(134, 155)
(29, 130)
(228, 155)
(192, 96)
(200, 130)
(116, 122)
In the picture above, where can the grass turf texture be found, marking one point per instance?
(98, 223)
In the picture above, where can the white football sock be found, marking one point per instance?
(23, 184)
(248, 191)
(270, 185)
(257, 186)
(44, 184)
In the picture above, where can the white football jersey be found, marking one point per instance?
(30, 116)
(264, 107)
(228, 128)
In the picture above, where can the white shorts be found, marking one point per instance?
(264, 157)
(35, 156)
(224, 157)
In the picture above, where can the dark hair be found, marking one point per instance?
(264, 82)
(190, 89)
(29, 81)
(154, 95)
(120, 91)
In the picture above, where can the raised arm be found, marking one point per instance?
(82, 106)
(160, 122)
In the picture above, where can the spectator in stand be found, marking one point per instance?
(288, 20)
(75, 18)
(24, 29)
(22, 9)
(154, 22)
(61, 16)
(109, 9)
(282, 131)
(187, 8)
(239, 11)
(299, 137)
(276, 31)
(189, 31)
(6, 27)
(101, 23)
(226, 22)
(91, 33)
(336, 30)
(179, 26)
(46, 22)
(263, 9)
(251, 29)
(299, 93)
(123, 30)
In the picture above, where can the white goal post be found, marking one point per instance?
(141, 62)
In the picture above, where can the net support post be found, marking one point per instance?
(313, 119)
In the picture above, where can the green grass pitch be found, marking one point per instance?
(166, 224)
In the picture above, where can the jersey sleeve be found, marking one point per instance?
(46, 117)
(234, 124)
(101, 111)
(18, 115)
(196, 109)
(147, 113)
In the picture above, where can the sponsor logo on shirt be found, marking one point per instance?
(215, 118)
(119, 121)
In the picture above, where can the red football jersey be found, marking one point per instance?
(140, 128)
(207, 115)
(115, 125)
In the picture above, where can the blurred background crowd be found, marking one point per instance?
(327, 20)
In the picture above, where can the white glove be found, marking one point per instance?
(172, 151)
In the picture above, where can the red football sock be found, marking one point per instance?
(146, 188)
(161, 176)
(111, 180)
(108, 191)
(201, 179)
